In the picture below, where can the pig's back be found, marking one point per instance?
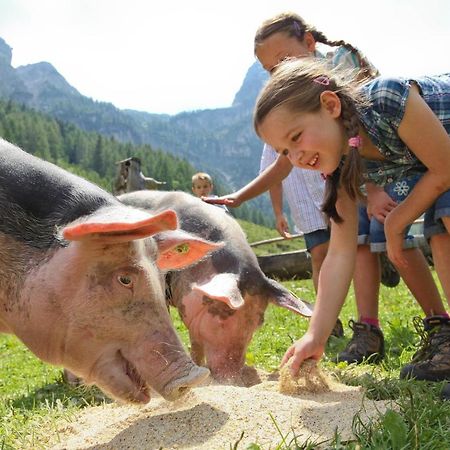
(37, 196)
(195, 215)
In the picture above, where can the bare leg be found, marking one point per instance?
(440, 247)
(318, 254)
(418, 278)
(366, 282)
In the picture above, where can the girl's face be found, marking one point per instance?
(314, 141)
(279, 46)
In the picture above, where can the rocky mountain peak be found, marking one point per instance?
(5, 53)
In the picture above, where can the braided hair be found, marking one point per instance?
(294, 85)
(295, 26)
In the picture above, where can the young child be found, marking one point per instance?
(287, 35)
(202, 184)
(319, 121)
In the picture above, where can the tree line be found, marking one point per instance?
(94, 156)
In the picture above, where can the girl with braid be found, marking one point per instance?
(320, 120)
(287, 35)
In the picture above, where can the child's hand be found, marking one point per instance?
(305, 348)
(283, 226)
(394, 241)
(379, 205)
(225, 200)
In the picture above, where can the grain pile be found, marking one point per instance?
(309, 379)
(213, 417)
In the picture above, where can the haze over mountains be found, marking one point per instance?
(220, 141)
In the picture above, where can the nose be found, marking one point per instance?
(296, 157)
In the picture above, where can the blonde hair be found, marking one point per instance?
(295, 26)
(297, 85)
(201, 176)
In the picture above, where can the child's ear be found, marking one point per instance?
(310, 42)
(332, 103)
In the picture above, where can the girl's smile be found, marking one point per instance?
(314, 141)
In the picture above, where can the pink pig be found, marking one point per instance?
(81, 280)
(223, 298)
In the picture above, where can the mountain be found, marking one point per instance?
(220, 141)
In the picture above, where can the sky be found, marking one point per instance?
(169, 56)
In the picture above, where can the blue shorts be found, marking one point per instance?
(432, 223)
(371, 231)
(316, 238)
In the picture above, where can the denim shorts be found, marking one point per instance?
(371, 231)
(432, 223)
(316, 238)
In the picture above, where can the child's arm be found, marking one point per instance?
(274, 173)
(276, 196)
(425, 136)
(334, 281)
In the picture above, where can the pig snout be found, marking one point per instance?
(129, 378)
(166, 368)
(226, 366)
(177, 388)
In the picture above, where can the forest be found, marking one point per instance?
(94, 156)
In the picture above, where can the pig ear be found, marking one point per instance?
(289, 301)
(119, 224)
(222, 287)
(179, 249)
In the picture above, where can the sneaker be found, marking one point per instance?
(367, 343)
(432, 361)
(338, 329)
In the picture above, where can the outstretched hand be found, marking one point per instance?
(227, 200)
(305, 348)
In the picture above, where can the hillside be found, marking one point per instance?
(220, 141)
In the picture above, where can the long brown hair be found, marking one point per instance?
(295, 26)
(297, 85)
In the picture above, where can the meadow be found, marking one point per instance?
(34, 399)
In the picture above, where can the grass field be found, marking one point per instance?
(34, 398)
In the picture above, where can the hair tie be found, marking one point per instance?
(355, 141)
(323, 80)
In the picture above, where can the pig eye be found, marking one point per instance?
(125, 280)
(182, 248)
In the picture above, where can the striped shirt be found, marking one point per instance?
(381, 120)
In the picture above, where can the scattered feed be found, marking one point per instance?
(213, 417)
(309, 379)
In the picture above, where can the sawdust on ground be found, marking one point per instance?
(216, 416)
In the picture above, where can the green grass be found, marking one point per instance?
(34, 399)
